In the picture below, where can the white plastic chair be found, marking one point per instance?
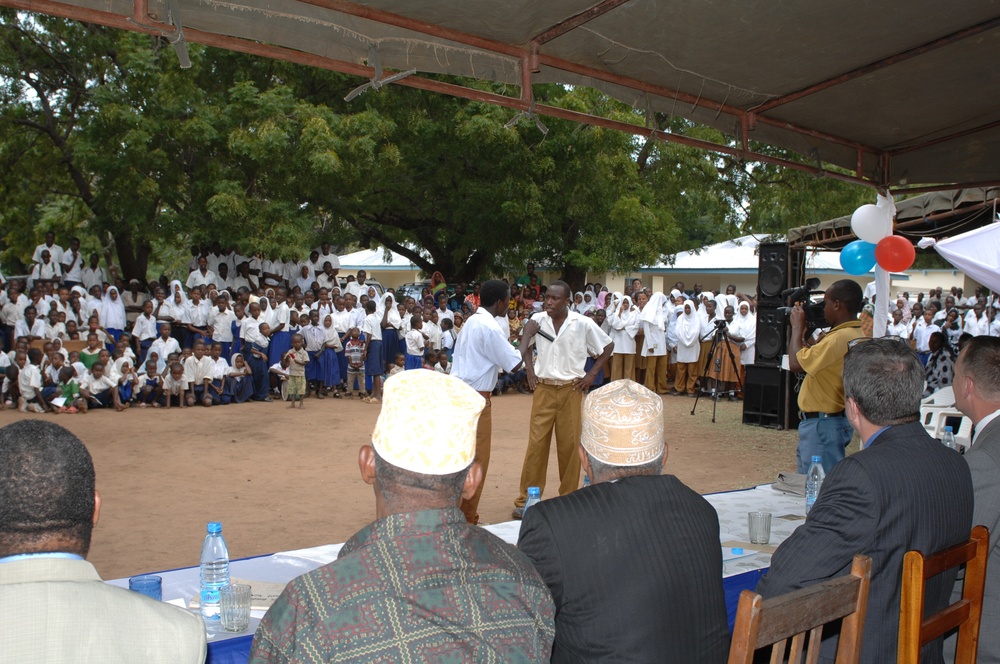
(943, 398)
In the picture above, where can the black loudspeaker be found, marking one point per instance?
(772, 336)
(769, 398)
(772, 272)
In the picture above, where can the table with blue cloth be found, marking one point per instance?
(740, 571)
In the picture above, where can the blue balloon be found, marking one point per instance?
(858, 257)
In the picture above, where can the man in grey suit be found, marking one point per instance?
(53, 605)
(977, 394)
(633, 561)
(902, 491)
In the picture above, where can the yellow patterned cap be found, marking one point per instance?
(623, 424)
(401, 436)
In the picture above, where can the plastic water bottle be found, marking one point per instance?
(948, 439)
(534, 497)
(814, 480)
(214, 570)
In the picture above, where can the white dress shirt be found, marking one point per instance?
(565, 358)
(481, 351)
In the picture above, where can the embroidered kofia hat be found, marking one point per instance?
(623, 424)
(408, 397)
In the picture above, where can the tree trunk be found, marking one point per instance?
(575, 276)
(133, 258)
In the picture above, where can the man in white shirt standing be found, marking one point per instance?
(72, 264)
(977, 395)
(93, 274)
(55, 251)
(357, 288)
(481, 351)
(564, 340)
(328, 255)
(202, 276)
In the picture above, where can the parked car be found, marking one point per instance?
(415, 288)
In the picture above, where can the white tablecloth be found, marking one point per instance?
(787, 512)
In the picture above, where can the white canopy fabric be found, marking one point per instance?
(740, 254)
(376, 258)
(976, 253)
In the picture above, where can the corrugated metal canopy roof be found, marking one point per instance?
(897, 93)
(938, 214)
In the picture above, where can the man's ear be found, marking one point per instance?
(366, 464)
(97, 506)
(472, 481)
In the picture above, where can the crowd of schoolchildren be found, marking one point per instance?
(937, 327)
(77, 339)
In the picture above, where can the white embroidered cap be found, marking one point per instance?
(623, 424)
(407, 398)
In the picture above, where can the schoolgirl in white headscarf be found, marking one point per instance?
(688, 348)
(654, 345)
(112, 313)
(623, 319)
(745, 325)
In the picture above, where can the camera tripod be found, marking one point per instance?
(718, 339)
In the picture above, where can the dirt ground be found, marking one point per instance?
(280, 479)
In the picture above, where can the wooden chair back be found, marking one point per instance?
(915, 630)
(772, 622)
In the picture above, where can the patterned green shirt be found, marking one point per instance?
(416, 587)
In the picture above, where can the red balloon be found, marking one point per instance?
(895, 253)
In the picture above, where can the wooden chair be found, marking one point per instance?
(914, 629)
(761, 623)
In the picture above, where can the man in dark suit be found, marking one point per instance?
(977, 394)
(902, 491)
(633, 561)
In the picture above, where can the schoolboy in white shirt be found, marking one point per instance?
(144, 331)
(198, 371)
(174, 386)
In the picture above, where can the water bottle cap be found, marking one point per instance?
(534, 491)
(947, 429)
(214, 527)
(817, 459)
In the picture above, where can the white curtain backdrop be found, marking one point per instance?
(976, 253)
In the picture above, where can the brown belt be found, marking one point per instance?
(553, 382)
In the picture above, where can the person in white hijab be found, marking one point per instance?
(588, 303)
(654, 344)
(688, 349)
(624, 323)
(112, 313)
(743, 330)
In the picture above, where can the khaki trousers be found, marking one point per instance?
(552, 408)
(623, 366)
(687, 376)
(656, 373)
(484, 442)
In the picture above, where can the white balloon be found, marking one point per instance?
(871, 223)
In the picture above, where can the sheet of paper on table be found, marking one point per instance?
(262, 594)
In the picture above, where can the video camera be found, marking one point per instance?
(815, 314)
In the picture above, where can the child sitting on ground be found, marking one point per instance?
(69, 390)
(99, 389)
(151, 386)
(174, 386)
(398, 365)
(442, 365)
(278, 375)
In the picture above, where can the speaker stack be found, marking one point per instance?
(769, 398)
